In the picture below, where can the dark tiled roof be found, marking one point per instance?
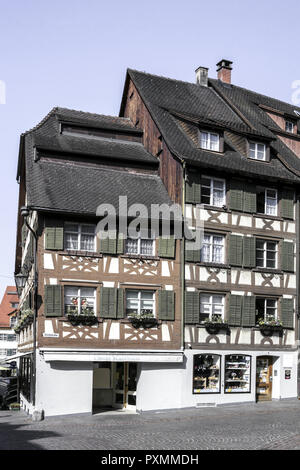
(97, 147)
(79, 187)
(169, 100)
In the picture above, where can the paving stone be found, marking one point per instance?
(269, 425)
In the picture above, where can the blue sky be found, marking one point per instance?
(74, 53)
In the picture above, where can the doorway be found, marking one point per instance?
(264, 377)
(125, 383)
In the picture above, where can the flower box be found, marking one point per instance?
(268, 330)
(82, 319)
(143, 321)
(215, 327)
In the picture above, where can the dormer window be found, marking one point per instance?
(257, 151)
(289, 127)
(210, 141)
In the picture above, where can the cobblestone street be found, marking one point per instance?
(270, 425)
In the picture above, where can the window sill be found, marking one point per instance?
(79, 253)
(267, 270)
(140, 257)
(213, 265)
(223, 208)
(267, 216)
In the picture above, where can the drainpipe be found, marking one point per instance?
(298, 288)
(25, 214)
(183, 256)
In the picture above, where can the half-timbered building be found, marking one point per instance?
(234, 153)
(222, 318)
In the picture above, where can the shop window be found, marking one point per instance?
(266, 309)
(80, 237)
(266, 254)
(237, 373)
(206, 374)
(80, 300)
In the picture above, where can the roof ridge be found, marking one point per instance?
(258, 94)
(165, 78)
(58, 108)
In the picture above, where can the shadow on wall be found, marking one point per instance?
(18, 436)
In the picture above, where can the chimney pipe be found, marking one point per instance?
(202, 76)
(224, 70)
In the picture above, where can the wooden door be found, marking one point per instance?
(125, 385)
(264, 375)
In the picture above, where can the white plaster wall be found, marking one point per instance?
(159, 386)
(64, 387)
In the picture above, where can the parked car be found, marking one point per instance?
(8, 391)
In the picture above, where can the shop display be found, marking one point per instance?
(206, 377)
(237, 374)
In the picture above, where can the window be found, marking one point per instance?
(257, 151)
(213, 192)
(266, 309)
(80, 300)
(206, 373)
(267, 201)
(140, 302)
(212, 250)
(79, 237)
(211, 307)
(237, 374)
(289, 126)
(14, 304)
(12, 321)
(266, 254)
(139, 246)
(209, 141)
(11, 352)
(8, 337)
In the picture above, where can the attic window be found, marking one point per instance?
(209, 141)
(257, 151)
(289, 126)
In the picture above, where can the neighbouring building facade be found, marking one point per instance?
(8, 338)
(146, 323)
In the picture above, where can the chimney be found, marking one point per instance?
(224, 70)
(202, 76)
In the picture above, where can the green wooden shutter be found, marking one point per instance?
(53, 301)
(108, 245)
(287, 313)
(287, 204)
(236, 199)
(235, 310)
(121, 305)
(236, 250)
(192, 307)
(248, 315)
(108, 302)
(287, 256)
(249, 198)
(193, 188)
(166, 303)
(54, 238)
(249, 252)
(166, 247)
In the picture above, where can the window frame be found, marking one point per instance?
(139, 241)
(211, 304)
(266, 299)
(212, 189)
(264, 190)
(218, 358)
(79, 296)
(140, 292)
(209, 134)
(252, 142)
(211, 250)
(287, 122)
(79, 234)
(265, 253)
